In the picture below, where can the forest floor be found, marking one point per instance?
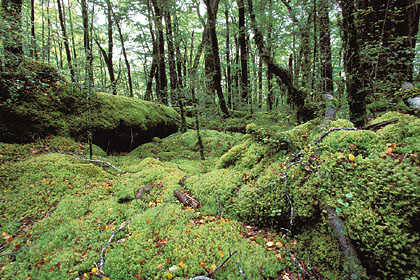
(61, 217)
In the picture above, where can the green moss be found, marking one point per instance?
(182, 240)
(34, 186)
(404, 133)
(214, 189)
(409, 93)
(184, 145)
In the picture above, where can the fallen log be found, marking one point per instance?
(186, 200)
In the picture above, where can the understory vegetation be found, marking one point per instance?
(60, 216)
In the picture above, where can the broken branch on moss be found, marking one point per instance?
(101, 263)
(186, 200)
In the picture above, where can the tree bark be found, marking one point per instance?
(228, 68)
(161, 71)
(216, 76)
(325, 48)
(34, 52)
(127, 63)
(171, 53)
(243, 52)
(356, 93)
(65, 40)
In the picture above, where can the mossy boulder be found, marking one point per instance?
(36, 102)
(370, 178)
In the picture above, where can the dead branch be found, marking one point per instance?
(186, 199)
(101, 263)
(241, 271)
(100, 162)
(352, 262)
(220, 265)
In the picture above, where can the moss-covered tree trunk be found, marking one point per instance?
(356, 93)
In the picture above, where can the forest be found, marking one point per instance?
(213, 139)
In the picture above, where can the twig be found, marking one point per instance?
(101, 263)
(104, 163)
(220, 265)
(241, 271)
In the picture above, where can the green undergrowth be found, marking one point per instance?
(58, 212)
(371, 178)
(185, 147)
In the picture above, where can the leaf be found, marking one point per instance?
(170, 276)
(213, 267)
(351, 157)
(222, 254)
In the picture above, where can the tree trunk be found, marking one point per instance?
(216, 76)
(34, 52)
(127, 63)
(171, 53)
(228, 69)
(243, 50)
(87, 45)
(162, 93)
(65, 40)
(325, 48)
(356, 94)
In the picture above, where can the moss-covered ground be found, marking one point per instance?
(60, 216)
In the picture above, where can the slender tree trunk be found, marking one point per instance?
(244, 53)
(127, 63)
(49, 32)
(65, 40)
(72, 37)
(34, 52)
(162, 94)
(325, 48)
(171, 53)
(212, 7)
(260, 82)
(228, 70)
(87, 46)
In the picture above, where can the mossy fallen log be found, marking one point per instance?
(36, 102)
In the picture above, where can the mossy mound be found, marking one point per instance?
(184, 145)
(370, 178)
(36, 102)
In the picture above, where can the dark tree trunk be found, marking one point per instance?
(228, 69)
(325, 48)
(388, 32)
(87, 46)
(243, 50)
(162, 94)
(216, 76)
(34, 52)
(356, 94)
(171, 54)
(127, 63)
(65, 40)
